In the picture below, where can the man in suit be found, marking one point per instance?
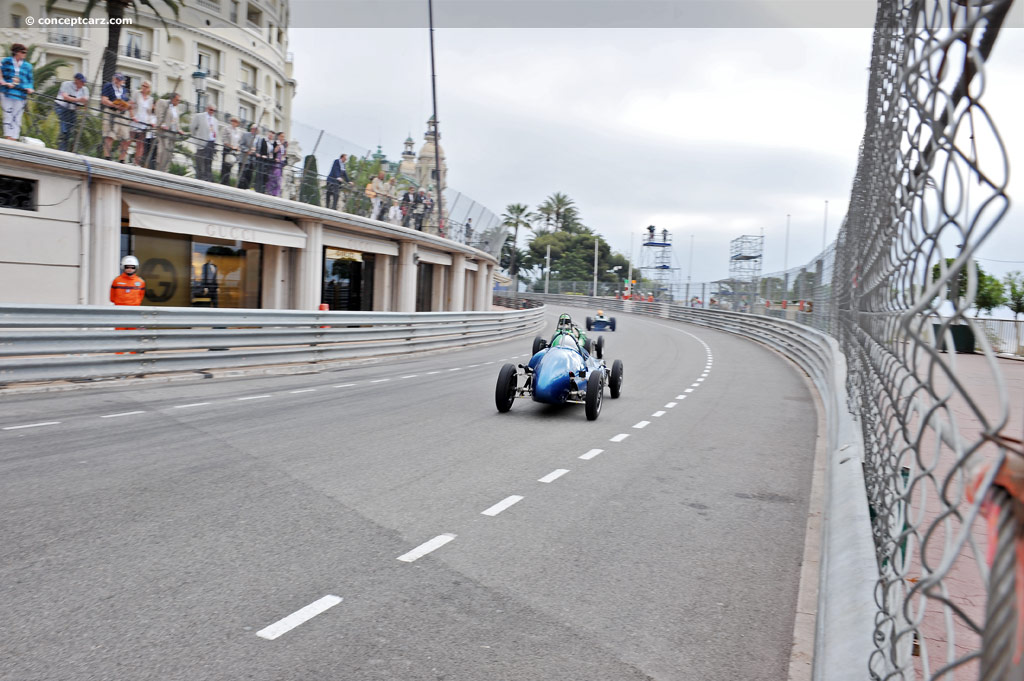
(247, 159)
(261, 167)
(205, 135)
(338, 175)
(408, 199)
(168, 130)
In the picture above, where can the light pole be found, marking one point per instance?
(437, 127)
(199, 83)
(595, 267)
(785, 261)
(547, 269)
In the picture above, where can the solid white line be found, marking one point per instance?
(680, 397)
(283, 626)
(642, 424)
(620, 437)
(411, 376)
(554, 475)
(33, 425)
(502, 505)
(658, 413)
(344, 385)
(381, 380)
(426, 547)
(688, 390)
(591, 454)
(304, 390)
(670, 405)
(194, 404)
(123, 413)
(254, 397)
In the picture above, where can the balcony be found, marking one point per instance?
(246, 87)
(209, 4)
(135, 52)
(59, 38)
(210, 73)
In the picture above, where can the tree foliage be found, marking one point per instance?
(1014, 282)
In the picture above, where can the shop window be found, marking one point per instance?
(18, 193)
(348, 280)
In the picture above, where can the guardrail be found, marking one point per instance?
(64, 342)
(848, 570)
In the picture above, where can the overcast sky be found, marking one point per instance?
(711, 132)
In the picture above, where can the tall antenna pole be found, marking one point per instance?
(437, 129)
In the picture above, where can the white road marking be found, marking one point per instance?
(554, 475)
(472, 366)
(591, 454)
(344, 385)
(33, 425)
(642, 424)
(670, 405)
(283, 626)
(502, 505)
(411, 376)
(426, 547)
(658, 413)
(431, 373)
(695, 385)
(688, 390)
(488, 362)
(680, 397)
(304, 390)
(254, 397)
(123, 413)
(456, 369)
(188, 406)
(620, 437)
(381, 380)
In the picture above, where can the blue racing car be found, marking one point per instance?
(562, 373)
(600, 322)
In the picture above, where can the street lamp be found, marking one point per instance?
(199, 83)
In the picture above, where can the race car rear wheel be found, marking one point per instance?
(505, 390)
(588, 345)
(590, 323)
(595, 395)
(539, 343)
(615, 380)
(613, 323)
(600, 347)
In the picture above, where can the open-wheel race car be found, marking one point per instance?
(567, 327)
(601, 322)
(562, 373)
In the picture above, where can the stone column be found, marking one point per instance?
(105, 246)
(438, 291)
(383, 282)
(457, 283)
(406, 279)
(309, 271)
(483, 280)
(275, 277)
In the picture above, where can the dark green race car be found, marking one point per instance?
(566, 327)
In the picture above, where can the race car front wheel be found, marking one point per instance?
(505, 390)
(615, 380)
(599, 348)
(595, 395)
(539, 343)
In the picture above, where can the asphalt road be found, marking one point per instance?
(280, 528)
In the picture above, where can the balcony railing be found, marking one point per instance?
(135, 52)
(246, 87)
(63, 39)
(210, 73)
(209, 4)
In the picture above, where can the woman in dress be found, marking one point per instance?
(277, 157)
(143, 117)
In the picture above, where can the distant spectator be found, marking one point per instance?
(143, 117)
(168, 125)
(16, 84)
(419, 208)
(469, 230)
(337, 175)
(277, 160)
(248, 156)
(380, 192)
(73, 95)
(205, 135)
(395, 214)
(116, 103)
(232, 147)
(408, 199)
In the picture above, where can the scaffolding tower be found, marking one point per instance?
(745, 257)
(656, 261)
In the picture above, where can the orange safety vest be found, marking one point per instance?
(127, 290)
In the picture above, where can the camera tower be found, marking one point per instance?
(656, 260)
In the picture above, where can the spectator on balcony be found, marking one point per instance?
(248, 154)
(378, 191)
(277, 159)
(143, 117)
(419, 208)
(395, 213)
(232, 147)
(469, 229)
(168, 125)
(116, 102)
(408, 199)
(261, 162)
(337, 175)
(73, 95)
(16, 84)
(205, 135)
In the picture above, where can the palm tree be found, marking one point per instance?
(514, 217)
(561, 212)
(116, 9)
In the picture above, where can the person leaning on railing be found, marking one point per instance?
(168, 124)
(73, 95)
(143, 118)
(116, 103)
(16, 84)
(337, 175)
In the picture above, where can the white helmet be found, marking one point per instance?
(130, 260)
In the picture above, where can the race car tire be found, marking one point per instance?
(539, 343)
(588, 345)
(599, 348)
(505, 390)
(613, 323)
(590, 324)
(595, 395)
(615, 380)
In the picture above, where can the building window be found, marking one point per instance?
(16, 21)
(253, 16)
(134, 46)
(348, 280)
(234, 11)
(245, 113)
(248, 79)
(206, 60)
(18, 193)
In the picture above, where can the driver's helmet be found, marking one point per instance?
(600, 313)
(564, 320)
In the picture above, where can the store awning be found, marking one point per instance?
(146, 212)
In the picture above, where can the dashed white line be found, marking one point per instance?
(426, 547)
(456, 369)
(699, 380)
(189, 406)
(642, 424)
(680, 397)
(33, 425)
(472, 366)
(688, 390)
(591, 454)
(343, 385)
(670, 405)
(431, 373)
(283, 626)
(304, 390)
(658, 413)
(123, 413)
(488, 362)
(380, 380)
(411, 376)
(620, 437)
(554, 475)
(254, 397)
(695, 385)
(502, 505)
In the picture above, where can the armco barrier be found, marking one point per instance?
(848, 570)
(64, 342)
